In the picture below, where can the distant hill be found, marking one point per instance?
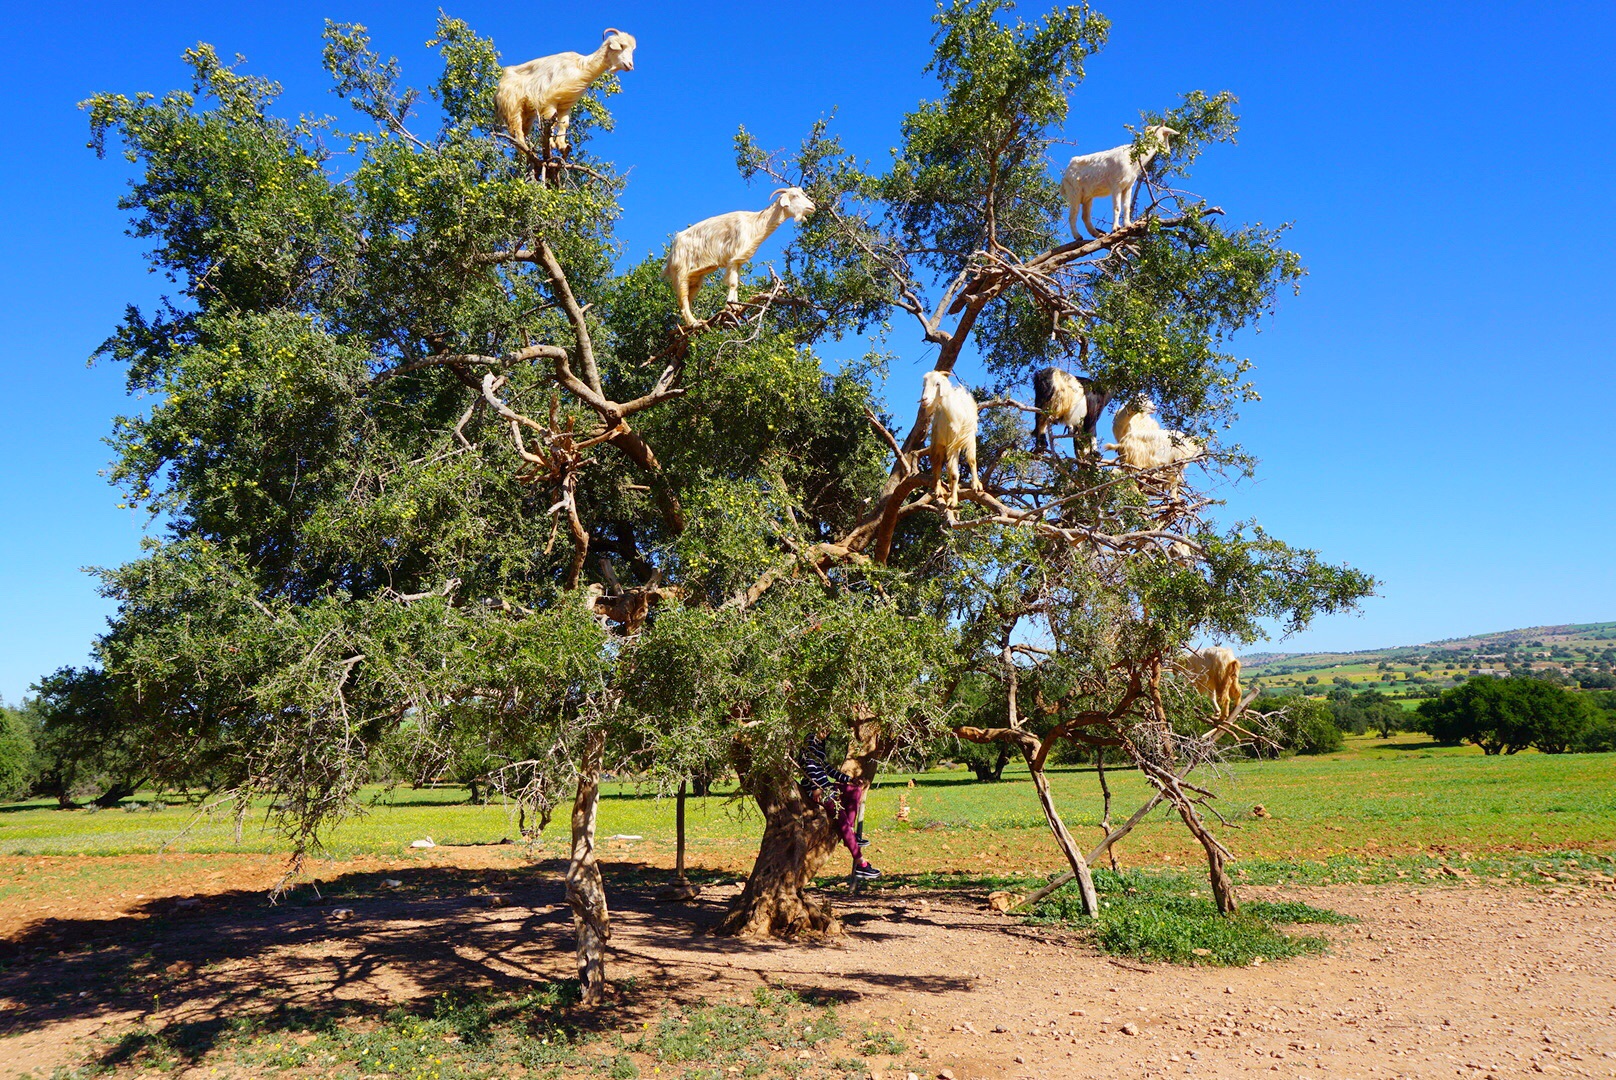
(1582, 653)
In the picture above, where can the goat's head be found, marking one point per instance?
(932, 387)
(1138, 405)
(1161, 133)
(619, 50)
(794, 201)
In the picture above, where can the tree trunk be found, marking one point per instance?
(679, 819)
(1080, 866)
(992, 771)
(585, 891)
(119, 791)
(797, 840)
(1216, 859)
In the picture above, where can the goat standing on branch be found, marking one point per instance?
(726, 242)
(953, 430)
(546, 89)
(1215, 671)
(1071, 400)
(1142, 443)
(1110, 174)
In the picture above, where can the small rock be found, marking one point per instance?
(496, 900)
(1001, 901)
(804, 1055)
(185, 903)
(1000, 1029)
(1228, 989)
(422, 843)
(624, 836)
(1202, 952)
(1130, 1028)
(945, 1074)
(341, 914)
(393, 883)
(1259, 811)
(1019, 1060)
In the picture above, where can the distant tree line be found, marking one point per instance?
(1506, 716)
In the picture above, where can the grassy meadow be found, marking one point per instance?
(1398, 797)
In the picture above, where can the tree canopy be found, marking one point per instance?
(432, 469)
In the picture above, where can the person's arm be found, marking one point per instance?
(820, 774)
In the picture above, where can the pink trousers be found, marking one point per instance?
(844, 810)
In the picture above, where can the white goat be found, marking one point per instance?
(1144, 444)
(1110, 174)
(726, 242)
(953, 429)
(548, 88)
(1065, 399)
(1215, 672)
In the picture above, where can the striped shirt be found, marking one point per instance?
(814, 767)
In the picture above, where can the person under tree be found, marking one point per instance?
(840, 795)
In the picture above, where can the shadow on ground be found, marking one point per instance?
(355, 946)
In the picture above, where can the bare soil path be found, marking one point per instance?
(1473, 981)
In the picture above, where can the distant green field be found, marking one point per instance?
(1402, 796)
(1562, 648)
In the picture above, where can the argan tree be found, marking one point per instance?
(435, 473)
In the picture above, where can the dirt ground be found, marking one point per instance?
(1463, 980)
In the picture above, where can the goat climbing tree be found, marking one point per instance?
(437, 470)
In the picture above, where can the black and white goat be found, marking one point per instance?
(1072, 400)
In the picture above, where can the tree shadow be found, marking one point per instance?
(183, 973)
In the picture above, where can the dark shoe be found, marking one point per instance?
(866, 872)
(863, 843)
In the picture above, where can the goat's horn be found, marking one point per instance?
(610, 30)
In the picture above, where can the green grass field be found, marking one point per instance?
(1403, 796)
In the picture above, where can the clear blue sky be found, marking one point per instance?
(1437, 401)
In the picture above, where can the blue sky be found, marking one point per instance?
(1436, 402)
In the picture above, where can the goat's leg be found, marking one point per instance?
(520, 124)
(732, 279)
(953, 479)
(558, 134)
(1071, 219)
(681, 291)
(1122, 207)
(692, 287)
(1088, 222)
(970, 459)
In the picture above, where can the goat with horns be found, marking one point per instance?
(546, 89)
(726, 242)
(1110, 174)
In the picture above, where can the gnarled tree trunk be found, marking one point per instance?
(585, 891)
(798, 839)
